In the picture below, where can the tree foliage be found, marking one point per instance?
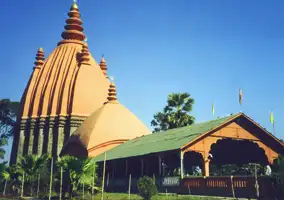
(33, 165)
(80, 171)
(146, 187)
(175, 114)
(8, 110)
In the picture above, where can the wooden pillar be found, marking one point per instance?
(206, 164)
(206, 171)
(126, 168)
(142, 166)
(113, 169)
(160, 165)
(181, 164)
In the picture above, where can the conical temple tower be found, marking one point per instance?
(62, 92)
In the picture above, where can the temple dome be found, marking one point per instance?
(69, 82)
(110, 125)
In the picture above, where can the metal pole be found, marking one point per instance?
(83, 191)
(188, 189)
(38, 183)
(93, 184)
(23, 182)
(129, 186)
(256, 182)
(103, 184)
(5, 188)
(61, 182)
(274, 128)
(50, 183)
(232, 185)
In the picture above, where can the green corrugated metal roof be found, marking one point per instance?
(163, 141)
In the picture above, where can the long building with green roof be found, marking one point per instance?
(203, 144)
(169, 140)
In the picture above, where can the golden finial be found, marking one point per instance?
(74, 5)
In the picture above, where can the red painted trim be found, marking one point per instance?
(121, 141)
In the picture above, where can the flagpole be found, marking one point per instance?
(241, 99)
(213, 110)
(274, 128)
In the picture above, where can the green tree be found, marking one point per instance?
(3, 142)
(146, 187)
(79, 170)
(175, 114)
(32, 166)
(8, 111)
(11, 176)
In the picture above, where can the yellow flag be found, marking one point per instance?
(272, 118)
(240, 96)
(213, 109)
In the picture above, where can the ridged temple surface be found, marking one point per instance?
(61, 87)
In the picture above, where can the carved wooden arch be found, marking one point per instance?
(270, 154)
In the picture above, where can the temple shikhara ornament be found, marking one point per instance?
(64, 89)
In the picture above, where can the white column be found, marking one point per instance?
(60, 139)
(40, 141)
(50, 140)
(181, 164)
(31, 141)
(21, 144)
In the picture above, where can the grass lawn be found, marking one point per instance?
(123, 196)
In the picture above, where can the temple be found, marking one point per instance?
(64, 89)
(70, 107)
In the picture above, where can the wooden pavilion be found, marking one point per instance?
(235, 139)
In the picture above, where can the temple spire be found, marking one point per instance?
(85, 55)
(103, 66)
(39, 59)
(73, 27)
(112, 98)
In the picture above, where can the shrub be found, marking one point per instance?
(146, 187)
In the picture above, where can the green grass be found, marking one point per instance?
(123, 196)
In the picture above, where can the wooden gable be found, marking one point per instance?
(239, 128)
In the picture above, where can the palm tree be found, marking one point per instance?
(175, 113)
(32, 166)
(12, 174)
(4, 176)
(79, 170)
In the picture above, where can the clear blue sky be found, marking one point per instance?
(207, 48)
